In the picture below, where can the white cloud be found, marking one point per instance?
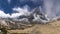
(3, 15)
(21, 11)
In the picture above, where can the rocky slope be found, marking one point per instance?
(12, 24)
(50, 28)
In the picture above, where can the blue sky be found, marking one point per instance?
(8, 5)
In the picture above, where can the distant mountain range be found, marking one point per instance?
(22, 21)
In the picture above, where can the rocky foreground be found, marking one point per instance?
(50, 28)
(15, 27)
